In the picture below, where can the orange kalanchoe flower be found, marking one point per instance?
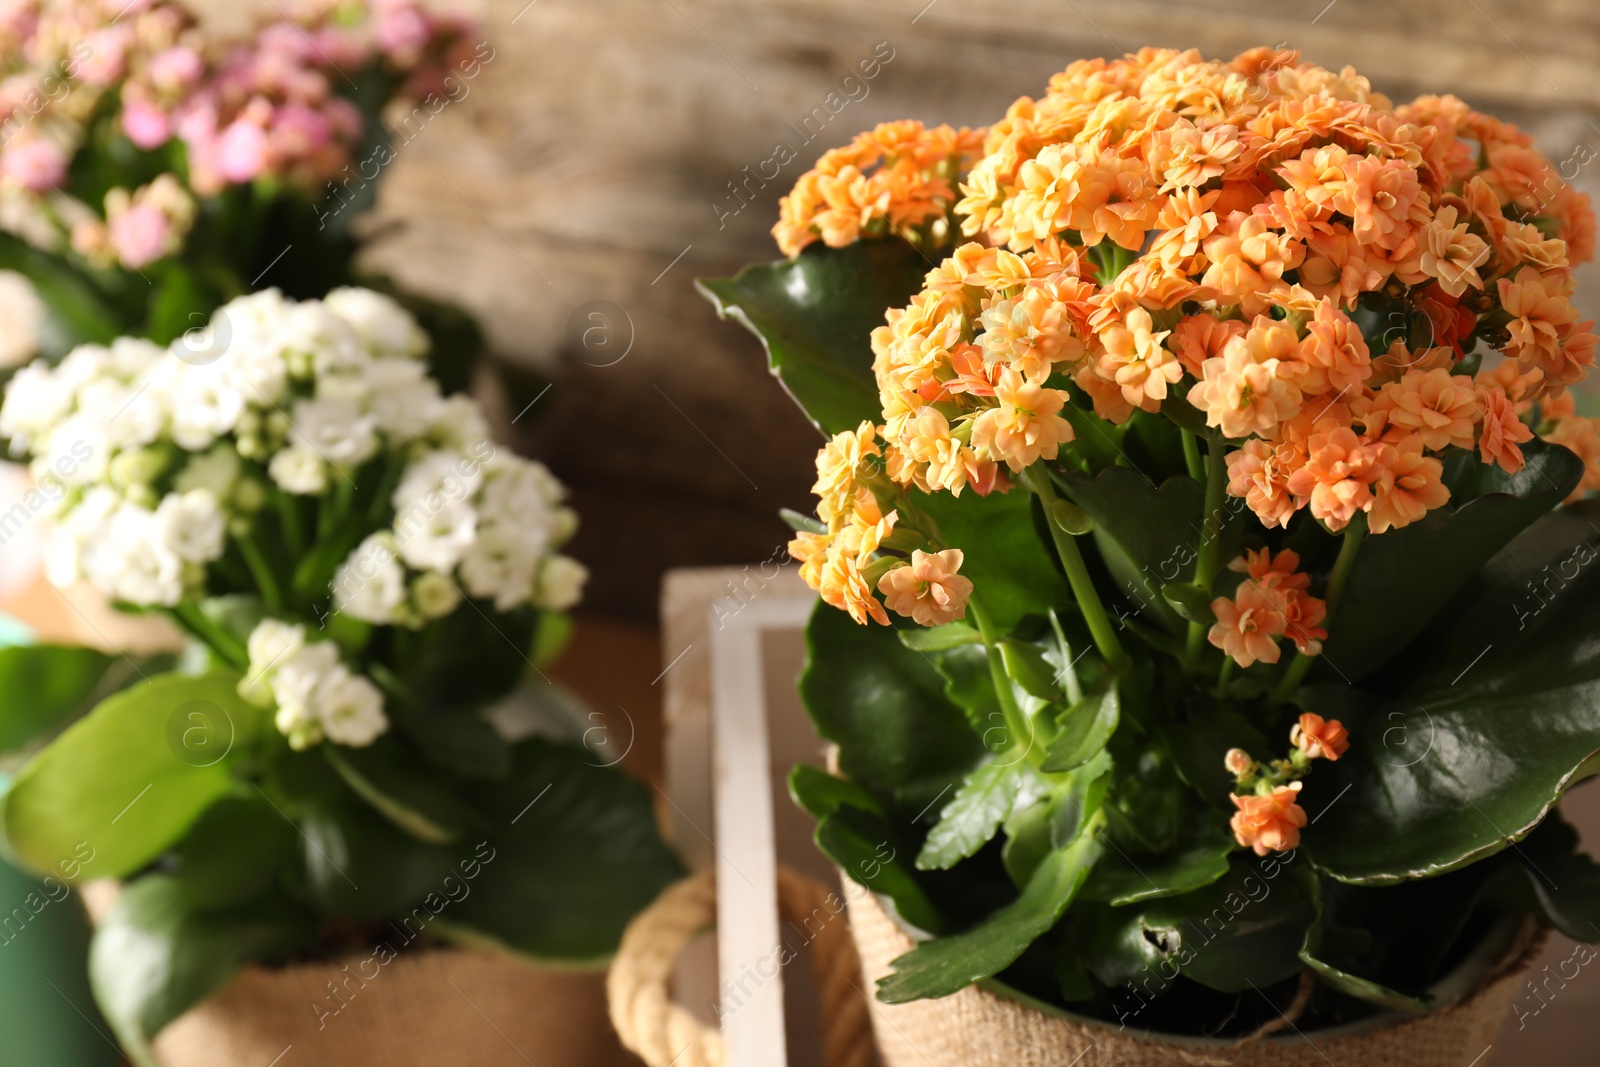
(1320, 738)
(1269, 823)
(928, 590)
(1248, 626)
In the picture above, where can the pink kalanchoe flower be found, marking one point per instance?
(400, 31)
(140, 234)
(241, 151)
(33, 163)
(105, 60)
(145, 124)
(176, 69)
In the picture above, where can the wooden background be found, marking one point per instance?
(590, 162)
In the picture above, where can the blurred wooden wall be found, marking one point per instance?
(590, 161)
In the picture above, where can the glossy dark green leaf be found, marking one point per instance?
(157, 955)
(1247, 927)
(1085, 729)
(1121, 879)
(1190, 601)
(497, 644)
(1145, 533)
(238, 851)
(44, 686)
(821, 793)
(1026, 666)
(1402, 578)
(946, 965)
(133, 775)
(1012, 569)
(974, 813)
(884, 706)
(575, 855)
(1054, 820)
(939, 638)
(457, 740)
(876, 854)
(404, 789)
(1502, 713)
(815, 315)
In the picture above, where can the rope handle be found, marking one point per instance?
(663, 1034)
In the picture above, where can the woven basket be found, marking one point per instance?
(977, 1027)
(425, 1007)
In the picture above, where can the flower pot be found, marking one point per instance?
(989, 1025)
(425, 1006)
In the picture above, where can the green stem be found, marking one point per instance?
(289, 517)
(1191, 457)
(261, 571)
(1349, 545)
(1224, 676)
(1017, 725)
(1094, 612)
(1206, 559)
(190, 618)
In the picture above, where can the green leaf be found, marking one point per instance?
(157, 955)
(815, 315)
(458, 740)
(884, 706)
(1085, 729)
(404, 790)
(973, 815)
(75, 311)
(1026, 666)
(179, 302)
(495, 643)
(1145, 533)
(44, 686)
(821, 793)
(238, 851)
(1403, 578)
(130, 778)
(940, 638)
(1499, 718)
(1011, 568)
(576, 854)
(1120, 879)
(1035, 831)
(874, 854)
(946, 965)
(1247, 927)
(1190, 601)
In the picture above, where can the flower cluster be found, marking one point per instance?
(1165, 233)
(1271, 602)
(488, 521)
(160, 452)
(316, 696)
(1268, 816)
(897, 179)
(268, 106)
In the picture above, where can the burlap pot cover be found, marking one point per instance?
(424, 1008)
(421, 1007)
(978, 1028)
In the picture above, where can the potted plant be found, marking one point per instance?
(1203, 551)
(152, 169)
(355, 795)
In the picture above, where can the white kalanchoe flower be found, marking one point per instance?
(561, 583)
(191, 525)
(371, 584)
(216, 471)
(316, 695)
(434, 595)
(380, 323)
(300, 471)
(350, 708)
(336, 429)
